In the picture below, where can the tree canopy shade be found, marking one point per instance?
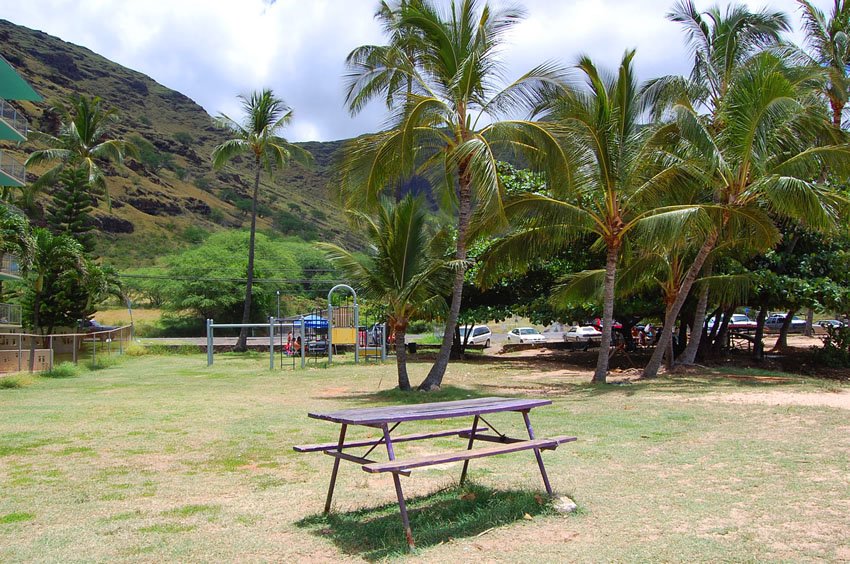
(83, 141)
(403, 267)
(759, 156)
(621, 181)
(441, 76)
(258, 135)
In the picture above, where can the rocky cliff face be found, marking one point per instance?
(171, 187)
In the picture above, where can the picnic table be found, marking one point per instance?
(388, 419)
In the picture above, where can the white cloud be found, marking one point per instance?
(212, 50)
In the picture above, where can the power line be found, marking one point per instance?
(209, 279)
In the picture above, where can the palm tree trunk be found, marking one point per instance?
(242, 343)
(601, 372)
(690, 354)
(651, 370)
(401, 361)
(435, 375)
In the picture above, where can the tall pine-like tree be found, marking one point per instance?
(69, 214)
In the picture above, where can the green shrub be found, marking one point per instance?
(103, 361)
(135, 349)
(194, 234)
(202, 183)
(836, 347)
(319, 214)
(419, 326)
(10, 382)
(160, 350)
(184, 138)
(62, 370)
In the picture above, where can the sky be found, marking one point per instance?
(213, 50)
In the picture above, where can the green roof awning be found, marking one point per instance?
(12, 86)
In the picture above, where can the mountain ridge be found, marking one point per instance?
(163, 199)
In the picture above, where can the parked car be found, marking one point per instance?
(834, 323)
(584, 334)
(480, 335)
(738, 321)
(774, 323)
(92, 326)
(525, 335)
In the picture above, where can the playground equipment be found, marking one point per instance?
(295, 326)
(317, 334)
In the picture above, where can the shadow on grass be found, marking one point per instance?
(456, 512)
(395, 396)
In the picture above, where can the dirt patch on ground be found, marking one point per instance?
(840, 400)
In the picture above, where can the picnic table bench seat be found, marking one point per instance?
(457, 456)
(462, 432)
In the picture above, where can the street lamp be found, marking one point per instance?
(278, 305)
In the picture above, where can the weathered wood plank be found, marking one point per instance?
(497, 439)
(436, 410)
(358, 459)
(444, 458)
(398, 439)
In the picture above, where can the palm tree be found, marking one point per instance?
(443, 92)
(83, 141)
(615, 190)
(15, 239)
(719, 42)
(258, 134)
(829, 40)
(759, 155)
(403, 267)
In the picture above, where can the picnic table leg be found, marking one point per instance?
(335, 470)
(537, 453)
(469, 447)
(399, 493)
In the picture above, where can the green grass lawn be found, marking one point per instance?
(160, 458)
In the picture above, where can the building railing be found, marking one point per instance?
(9, 265)
(10, 314)
(13, 168)
(14, 118)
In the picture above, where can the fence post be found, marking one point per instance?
(357, 334)
(303, 343)
(383, 342)
(121, 342)
(20, 349)
(74, 347)
(209, 342)
(94, 349)
(330, 332)
(51, 351)
(271, 343)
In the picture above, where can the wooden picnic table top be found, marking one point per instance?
(425, 411)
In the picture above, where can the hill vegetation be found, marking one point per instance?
(169, 195)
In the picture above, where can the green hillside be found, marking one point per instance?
(170, 195)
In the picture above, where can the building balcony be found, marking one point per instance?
(13, 125)
(10, 315)
(9, 269)
(12, 173)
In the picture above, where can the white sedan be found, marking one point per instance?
(525, 335)
(585, 334)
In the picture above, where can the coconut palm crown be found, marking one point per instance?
(449, 113)
(403, 267)
(83, 141)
